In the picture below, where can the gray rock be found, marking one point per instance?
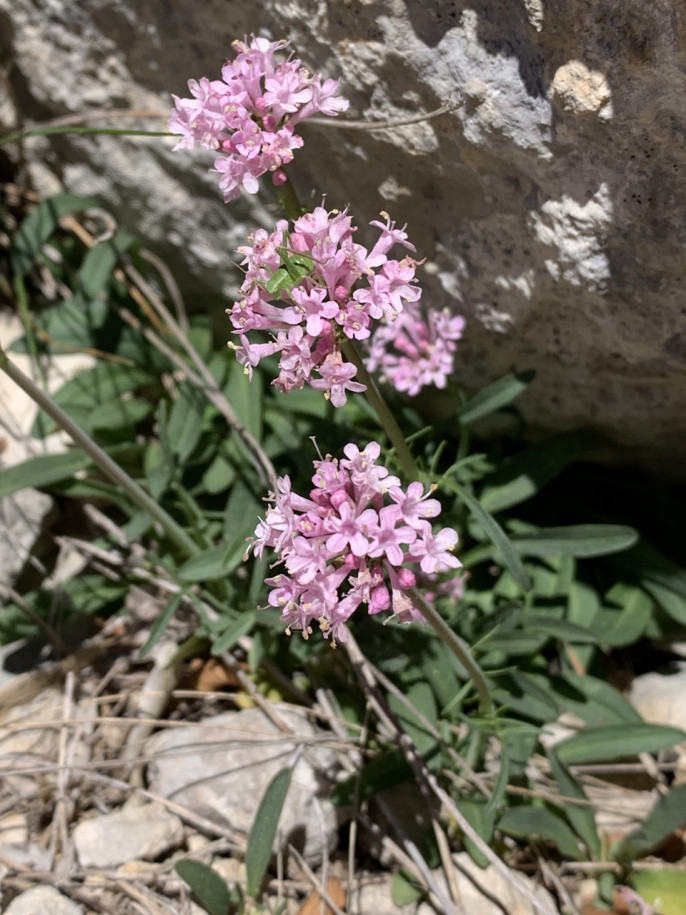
(551, 206)
(29, 747)
(42, 899)
(221, 767)
(21, 519)
(486, 892)
(659, 697)
(141, 832)
(375, 896)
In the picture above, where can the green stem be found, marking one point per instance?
(288, 199)
(459, 648)
(111, 131)
(138, 495)
(384, 415)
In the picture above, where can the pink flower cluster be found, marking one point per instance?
(340, 290)
(249, 115)
(352, 542)
(415, 352)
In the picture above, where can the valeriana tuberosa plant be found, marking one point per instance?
(312, 292)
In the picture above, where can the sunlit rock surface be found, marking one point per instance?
(551, 205)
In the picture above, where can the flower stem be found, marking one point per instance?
(138, 495)
(459, 648)
(384, 415)
(288, 199)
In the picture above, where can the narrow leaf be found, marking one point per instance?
(185, 421)
(206, 884)
(160, 624)
(624, 626)
(42, 471)
(668, 814)
(494, 397)
(581, 817)
(483, 822)
(37, 228)
(576, 540)
(216, 561)
(498, 537)
(617, 741)
(233, 632)
(524, 822)
(263, 830)
(98, 264)
(403, 892)
(594, 701)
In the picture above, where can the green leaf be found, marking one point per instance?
(37, 228)
(524, 822)
(241, 514)
(673, 604)
(502, 780)
(558, 629)
(42, 471)
(664, 889)
(624, 626)
(583, 604)
(245, 397)
(494, 397)
(114, 415)
(73, 324)
(206, 884)
(581, 817)
(185, 421)
(98, 264)
(101, 386)
(160, 624)
(497, 536)
(89, 594)
(233, 632)
(219, 475)
(209, 565)
(421, 696)
(483, 822)
(576, 540)
(403, 892)
(264, 829)
(668, 814)
(594, 701)
(515, 643)
(661, 577)
(531, 697)
(617, 741)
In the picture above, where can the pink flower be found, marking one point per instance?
(415, 352)
(323, 292)
(249, 115)
(433, 551)
(343, 547)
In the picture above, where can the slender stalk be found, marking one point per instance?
(111, 131)
(384, 415)
(459, 648)
(286, 195)
(138, 495)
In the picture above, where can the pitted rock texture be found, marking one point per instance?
(551, 205)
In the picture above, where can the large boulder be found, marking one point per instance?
(550, 206)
